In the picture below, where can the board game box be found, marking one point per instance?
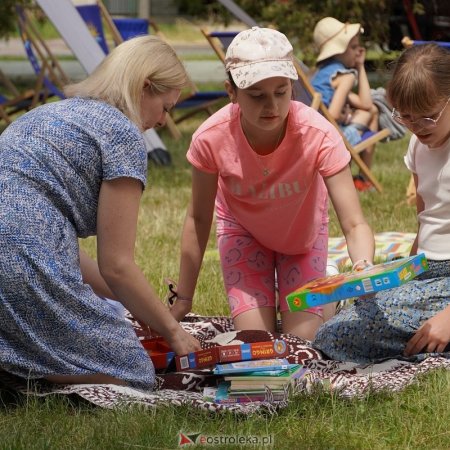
(355, 284)
(159, 351)
(230, 353)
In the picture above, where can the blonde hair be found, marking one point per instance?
(420, 79)
(119, 79)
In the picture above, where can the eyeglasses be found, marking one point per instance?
(423, 122)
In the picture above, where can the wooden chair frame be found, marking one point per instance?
(14, 102)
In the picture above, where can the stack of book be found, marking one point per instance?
(266, 380)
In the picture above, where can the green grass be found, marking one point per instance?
(416, 418)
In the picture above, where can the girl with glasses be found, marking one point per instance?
(415, 317)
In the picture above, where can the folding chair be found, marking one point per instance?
(304, 89)
(95, 14)
(12, 101)
(305, 93)
(50, 75)
(219, 41)
(193, 100)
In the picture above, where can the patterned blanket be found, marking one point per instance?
(185, 388)
(389, 245)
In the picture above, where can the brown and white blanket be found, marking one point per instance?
(185, 388)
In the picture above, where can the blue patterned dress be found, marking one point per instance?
(380, 326)
(52, 163)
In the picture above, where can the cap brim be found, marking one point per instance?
(246, 75)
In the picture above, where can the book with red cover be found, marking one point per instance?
(230, 353)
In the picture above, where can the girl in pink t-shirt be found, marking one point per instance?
(267, 163)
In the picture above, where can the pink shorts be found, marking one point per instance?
(254, 274)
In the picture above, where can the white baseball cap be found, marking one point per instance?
(257, 54)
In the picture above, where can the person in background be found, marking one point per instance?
(267, 164)
(340, 67)
(415, 317)
(68, 170)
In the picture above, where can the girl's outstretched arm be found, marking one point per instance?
(195, 235)
(357, 232)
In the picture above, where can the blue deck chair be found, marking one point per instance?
(131, 27)
(193, 100)
(95, 15)
(92, 16)
(50, 75)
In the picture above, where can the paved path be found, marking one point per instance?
(201, 71)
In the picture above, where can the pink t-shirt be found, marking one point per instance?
(284, 209)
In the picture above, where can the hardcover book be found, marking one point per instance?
(230, 353)
(355, 284)
(254, 383)
(264, 365)
(222, 395)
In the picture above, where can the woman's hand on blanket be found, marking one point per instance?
(182, 342)
(433, 336)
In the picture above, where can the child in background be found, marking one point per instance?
(268, 164)
(415, 317)
(340, 66)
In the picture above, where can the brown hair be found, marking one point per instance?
(420, 79)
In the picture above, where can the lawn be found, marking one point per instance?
(416, 418)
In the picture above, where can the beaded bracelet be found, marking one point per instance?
(174, 295)
(361, 264)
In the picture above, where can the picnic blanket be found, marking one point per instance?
(389, 245)
(345, 379)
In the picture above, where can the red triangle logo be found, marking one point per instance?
(184, 440)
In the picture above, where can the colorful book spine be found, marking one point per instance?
(252, 366)
(228, 353)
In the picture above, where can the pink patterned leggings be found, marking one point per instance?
(252, 272)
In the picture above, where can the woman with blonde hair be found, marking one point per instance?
(68, 170)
